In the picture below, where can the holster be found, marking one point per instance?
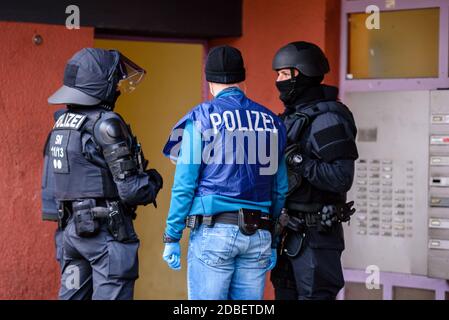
(249, 221)
(85, 223)
(116, 222)
(293, 237)
(63, 215)
(87, 218)
(292, 243)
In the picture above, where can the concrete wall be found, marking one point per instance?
(28, 75)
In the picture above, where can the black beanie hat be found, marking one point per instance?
(225, 65)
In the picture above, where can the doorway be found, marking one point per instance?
(173, 85)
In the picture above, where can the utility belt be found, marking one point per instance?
(292, 224)
(321, 216)
(89, 214)
(306, 218)
(248, 220)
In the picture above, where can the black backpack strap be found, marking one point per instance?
(297, 122)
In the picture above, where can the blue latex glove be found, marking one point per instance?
(172, 255)
(273, 259)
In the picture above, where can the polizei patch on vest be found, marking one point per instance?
(70, 121)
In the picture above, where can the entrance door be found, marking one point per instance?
(173, 85)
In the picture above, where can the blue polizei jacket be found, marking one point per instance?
(230, 155)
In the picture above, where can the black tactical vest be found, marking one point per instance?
(75, 176)
(49, 204)
(298, 127)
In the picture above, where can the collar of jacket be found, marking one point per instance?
(231, 91)
(310, 94)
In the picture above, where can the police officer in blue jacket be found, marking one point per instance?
(320, 157)
(229, 186)
(100, 177)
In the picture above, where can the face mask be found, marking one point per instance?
(287, 90)
(292, 90)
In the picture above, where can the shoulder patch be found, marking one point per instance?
(330, 134)
(70, 120)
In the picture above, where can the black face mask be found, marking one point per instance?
(290, 90)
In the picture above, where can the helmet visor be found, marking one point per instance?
(131, 75)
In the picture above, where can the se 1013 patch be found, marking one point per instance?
(58, 151)
(70, 120)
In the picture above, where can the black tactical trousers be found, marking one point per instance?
(314, 274)
(99, 267)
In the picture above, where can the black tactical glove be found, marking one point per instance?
(293, 157)
(328, 218)
(156, 178)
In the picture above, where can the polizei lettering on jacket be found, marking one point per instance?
(70, 121)
(241, 137)
(243, 120)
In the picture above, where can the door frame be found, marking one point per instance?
(204, 43)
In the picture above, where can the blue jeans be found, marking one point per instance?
(224, 264)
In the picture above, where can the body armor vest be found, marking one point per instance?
(75, 176)
(297, 125)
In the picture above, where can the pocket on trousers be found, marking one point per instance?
(217, 243)
(123, 260)
(334, 239)
(265, 248)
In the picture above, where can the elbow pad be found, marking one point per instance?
(115, 140)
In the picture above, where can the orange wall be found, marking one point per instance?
(268, 25)
(28, 75)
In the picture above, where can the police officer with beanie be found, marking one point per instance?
(224, 190)
(100, 177)
(320, 157)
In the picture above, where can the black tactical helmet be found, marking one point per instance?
(306, 57)
(92, 75)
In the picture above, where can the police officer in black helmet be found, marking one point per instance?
(320, 156)
(100, 177)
